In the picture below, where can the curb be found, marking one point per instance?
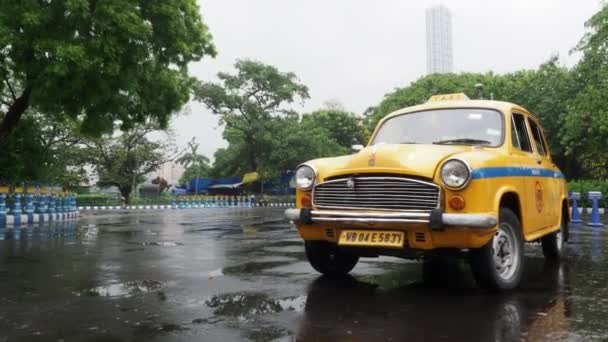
(182, 207)
(25, 219)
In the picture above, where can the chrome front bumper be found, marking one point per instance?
(435, 219)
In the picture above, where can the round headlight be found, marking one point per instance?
(305, 177)
(455, 174)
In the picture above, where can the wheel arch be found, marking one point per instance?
(510, 198)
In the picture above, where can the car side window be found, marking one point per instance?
(538, 138)
(521, 140)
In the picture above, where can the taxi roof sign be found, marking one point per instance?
(449, 97)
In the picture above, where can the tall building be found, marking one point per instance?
(171, 171)
(439, 40)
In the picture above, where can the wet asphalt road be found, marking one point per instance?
(241, 274)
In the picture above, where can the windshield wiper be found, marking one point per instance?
(466, 141)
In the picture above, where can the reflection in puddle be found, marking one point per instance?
(253, 267)
(245, 305)
(162, 243)
(215, 273)
(126, 289)
(88, 232)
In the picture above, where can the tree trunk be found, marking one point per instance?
(14, 114)
(125, 192)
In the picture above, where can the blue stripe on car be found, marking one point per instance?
(495, 172)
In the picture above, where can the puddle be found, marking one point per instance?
(215, 273)
(151, 329)
(244, 305)
(253, 267)
(126, 289)
(268, 333)
(162, 243)
(89, 232)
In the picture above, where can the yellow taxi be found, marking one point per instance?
(449, 178)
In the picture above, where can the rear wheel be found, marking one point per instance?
(498, 265)
(328, 259)
(553, 244)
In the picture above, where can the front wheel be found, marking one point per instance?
(498, 265)
(328, 259)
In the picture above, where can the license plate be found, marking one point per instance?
(375, 238)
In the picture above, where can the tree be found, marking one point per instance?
(43, 150)
(197, 165)
(124, 161)
(585, 129)
(246, 102)
(545, 92)
(192, 157)
(345, 128)
(98, 62)
(195, 171)
(296, 141)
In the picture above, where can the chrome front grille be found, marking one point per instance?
(376, 193)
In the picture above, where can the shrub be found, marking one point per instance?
(96, 199)
(584, 186)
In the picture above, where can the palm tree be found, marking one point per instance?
(192, 157)
(194, 160)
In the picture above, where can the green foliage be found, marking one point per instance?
(192, 157)
(547, 92)
(44, 150)
(98, 62)
(584, 186)
(345, 128)
(295, 141)
(246, 103)
(197, 165)
(97, 199)
(200, 170)
(586, 127)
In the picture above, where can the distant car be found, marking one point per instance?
(449, 178)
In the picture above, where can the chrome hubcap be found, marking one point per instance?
(506, 251)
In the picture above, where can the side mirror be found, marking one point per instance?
(356, 148)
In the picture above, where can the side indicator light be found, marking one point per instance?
(457, 202)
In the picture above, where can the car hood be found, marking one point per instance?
(417, 160)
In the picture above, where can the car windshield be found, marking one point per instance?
(443, 127)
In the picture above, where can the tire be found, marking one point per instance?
(328, 259)
(553, 244)
(498, 265)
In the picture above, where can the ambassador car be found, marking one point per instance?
(449, 178)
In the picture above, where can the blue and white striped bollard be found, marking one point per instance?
(17, 210)
(575, 216)
(2, 210)
(51, 209)
(595, 197)
(29, 208)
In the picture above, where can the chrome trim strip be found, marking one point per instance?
(370, 214)
(448, 219)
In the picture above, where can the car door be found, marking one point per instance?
(525, 156)
(549, 208)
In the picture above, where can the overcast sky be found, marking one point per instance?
(357, 51)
